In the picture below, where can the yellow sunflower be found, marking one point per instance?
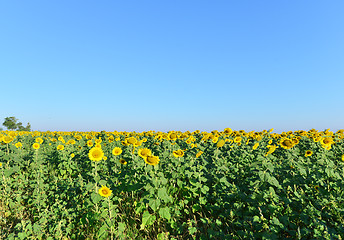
(18, 145)
(105, 191)
(116, 151)
(255, 146)
(220, 143)
(7, 139)
(178, 153)
(199, 154)
(144, 152)
(308, 153)
(237, 139)
(152, 160)
(36, 146)
(96, 154)
(60, 147)
(286, 143)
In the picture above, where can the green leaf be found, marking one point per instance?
(205, 189)
(95, 197)
(102, 232)
(121, 228)
(165, 213)
(162, 194)
(273, 181)
(154, 204)
(147, 219)
(102, 182)
(256, 219)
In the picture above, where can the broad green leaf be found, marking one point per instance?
(165, 213)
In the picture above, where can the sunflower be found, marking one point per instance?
(96, 154)
(178, 153)
(144, 152)
(90, 143)
(72, 155)
(0, 164)
(105, 191)
(237, 139)
(272, 148)
(18, 145)
(343, 157)
(122, 161)
(308, 153)
(36, 146)
(255, 146)
(172, 136)
(7, 139)
(60, 147)
(152, 160)
(220, 143)
(228, 131)
(116, 151)
(131, 140)
(326, 141)
(286, 143)
(199, 154)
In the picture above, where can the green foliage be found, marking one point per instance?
(11, 123)
(232, 192)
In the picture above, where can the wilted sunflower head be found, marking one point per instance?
(122, 161)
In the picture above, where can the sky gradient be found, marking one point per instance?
(172, 65)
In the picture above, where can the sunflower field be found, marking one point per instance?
(176, 185)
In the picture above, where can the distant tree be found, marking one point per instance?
(11, 123)
(21, 128)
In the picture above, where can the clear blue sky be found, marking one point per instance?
(172, 65)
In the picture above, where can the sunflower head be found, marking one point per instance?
(152, 160)
(123, 162)
(144, 152)
(105, 191)
(178, 153)
(60, 147)
(116, 151)
(220, 143)
(96, 154)
(286, 143)
(308, 153)
(18, 145)
(36, 146)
